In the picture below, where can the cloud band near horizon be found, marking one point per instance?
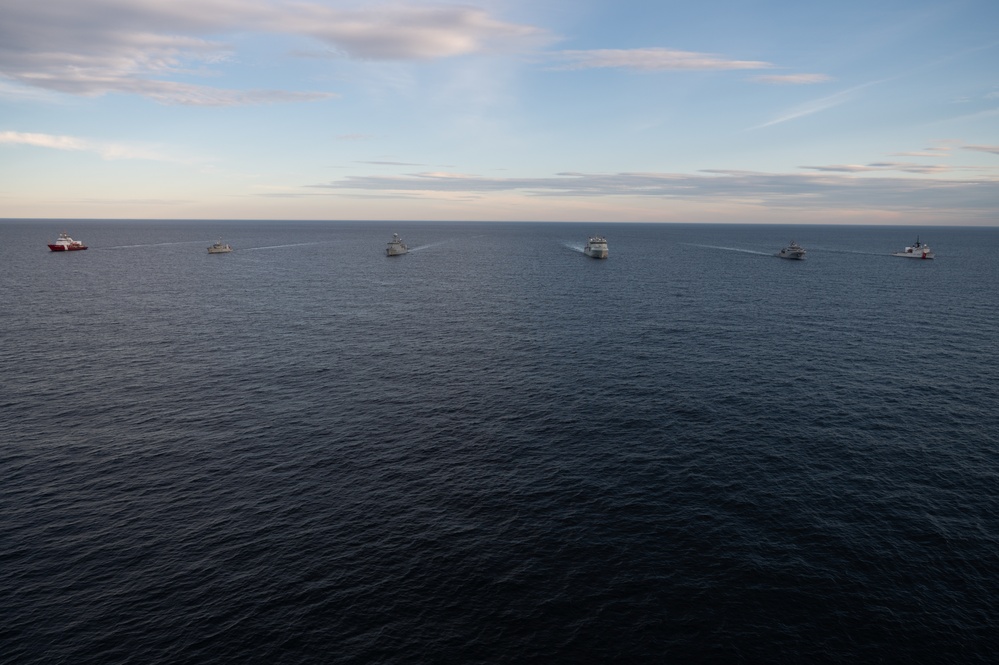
(136, 46)
(804, 190)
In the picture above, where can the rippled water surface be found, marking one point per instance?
(495, 449)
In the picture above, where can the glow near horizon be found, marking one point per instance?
(854, 112)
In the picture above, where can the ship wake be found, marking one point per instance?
(732, 249)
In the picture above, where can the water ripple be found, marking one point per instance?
(498, 451)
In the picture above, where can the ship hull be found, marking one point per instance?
(396, 247)
(918, 251)
(64, 248)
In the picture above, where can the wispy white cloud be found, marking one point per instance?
(827, 190)
(902, 167)
(168, 92)
(933, 151)
(816, 105)
(792, 79)
(18, 92)
(387, 163)
(994, 149)
(93, 47)
(107, 150)
(43, 140)
(401, 32)
(652, 59)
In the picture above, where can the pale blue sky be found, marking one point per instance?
(873, 111)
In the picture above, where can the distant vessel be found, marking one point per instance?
(396, 246)
(219, 248)
(917, 251)
(792, 251)
(66, 244)
(596, 247)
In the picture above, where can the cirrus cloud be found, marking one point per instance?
(994, 149)
(786, 190)
(817, 105)
(106, 149)
(652, 59)
(793, 79)
(399, 32)
(95, 47)
(904, 167)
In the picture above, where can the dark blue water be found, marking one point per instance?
(495, 449)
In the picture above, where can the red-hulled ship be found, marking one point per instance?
(66, 244)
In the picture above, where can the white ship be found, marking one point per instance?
(66, 244)
(918, 251)
(396, 246)
(792, 251)
(596, 247)
(219, 248)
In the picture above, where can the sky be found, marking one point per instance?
(762, 111)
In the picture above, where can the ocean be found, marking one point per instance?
(494, 449)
